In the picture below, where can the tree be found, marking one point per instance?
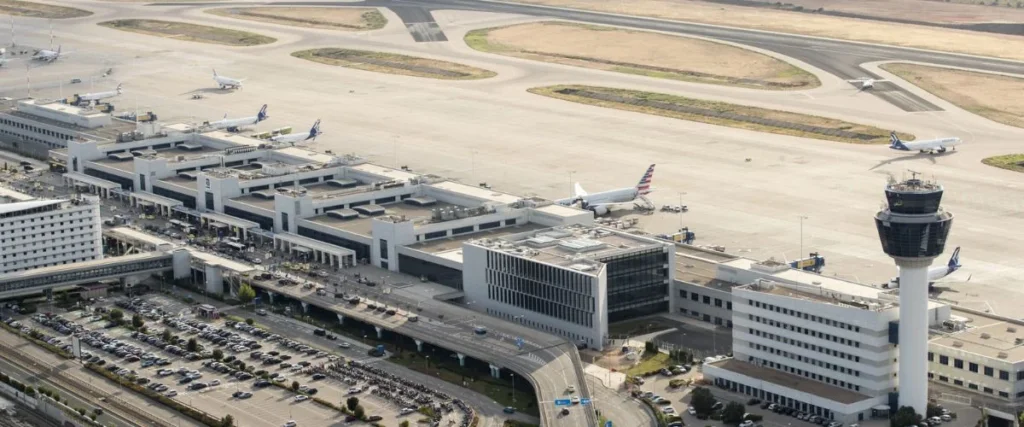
(934, 411)
(246, 294)
(166, 336)
(701, 400)
(733, 413)
(116, 315)
(249, 321)
(351, 403)
(138, 321)
(359, 412)
(295, 386)
(904, 417)
(227, 421)
(404, 423)
(192, 345)
(218, 354)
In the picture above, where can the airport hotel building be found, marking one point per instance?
(37, 233)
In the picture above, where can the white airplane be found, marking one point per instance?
(930, 146)
(602, 202)
(234, 125)
(227, 82)
(935, 273)
(99, 96)
(294, 138)
(866, 82)
(47, 55)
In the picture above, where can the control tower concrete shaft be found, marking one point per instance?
(913, 231)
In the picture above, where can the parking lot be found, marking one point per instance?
(244, 382)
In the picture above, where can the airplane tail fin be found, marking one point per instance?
(314, 131)
(262, 115)
(895, 142)
(119, 88)
(58, 49)
(954, 261)
(214, 72)
(644, 186)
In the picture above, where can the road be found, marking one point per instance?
(545, 360)
(841, 58)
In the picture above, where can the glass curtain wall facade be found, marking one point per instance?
(556, 292)
(637, 284)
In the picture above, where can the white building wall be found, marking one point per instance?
(70, 234)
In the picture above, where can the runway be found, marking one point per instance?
(841, 58)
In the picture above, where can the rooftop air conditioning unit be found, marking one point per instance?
(958, 344)
(1003, 355)
(985, 336)
(1011, 329)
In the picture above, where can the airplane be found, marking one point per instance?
(294, 138)
(47, 55)
(930, 146)
(99, 96)
(935, 273)
(602, 202)
(866, 82)
(227, 82)
(234, 125)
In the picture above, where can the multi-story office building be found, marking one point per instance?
(982, 354)
(32, 126)
(826, 348)
(571, 281)
(42, 233)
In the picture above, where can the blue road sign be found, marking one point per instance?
(584, 401)
(520, 342)
(562, 402)
(608, 423)
(380, 348)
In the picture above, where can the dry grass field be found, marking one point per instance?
(333, 18)
(189, 32)
(987, 95)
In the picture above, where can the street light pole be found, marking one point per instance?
(802, 218)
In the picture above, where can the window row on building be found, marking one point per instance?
(807, 360)
(805, 374)
(801, 344)
(717, 302)
(805, 331)
(972, 386)
(974, 367)
(569, 311)
(84, 230)
(42, 131)
(539, 272)
(801, 315)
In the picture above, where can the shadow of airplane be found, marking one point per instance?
(209, 90)
(930, 157)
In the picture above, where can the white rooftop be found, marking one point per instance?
(384, 171)
(484, 194)
(19, 206)
(14, 196)
(831, 284)
(212, 259)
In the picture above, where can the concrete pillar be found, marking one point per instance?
(419, 346)
(380, 332)
(495, 371)
(341, 319)
(462, 359)
(271, 295)
(305, 307)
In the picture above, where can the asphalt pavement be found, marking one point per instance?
(841, 58)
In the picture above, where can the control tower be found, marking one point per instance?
(913, 232)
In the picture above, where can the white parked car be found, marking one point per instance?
(406, 411)
(668, 410)
(354, 390)
(344, 344)
(214, 382)
(171, 393)
(301, 398)
(290, 423)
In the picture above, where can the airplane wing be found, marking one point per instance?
(579, 191)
